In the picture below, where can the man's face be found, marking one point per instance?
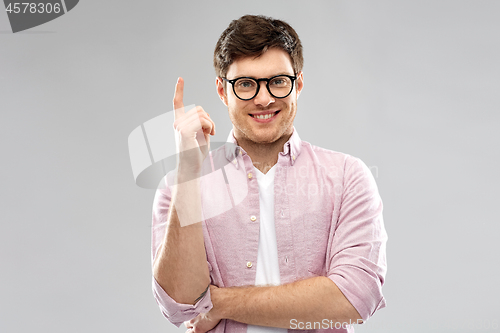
(247, 127)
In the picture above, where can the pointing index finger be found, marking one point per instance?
(178, 98)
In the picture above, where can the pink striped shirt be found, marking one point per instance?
(328, 219)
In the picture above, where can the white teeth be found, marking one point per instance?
(267, 116)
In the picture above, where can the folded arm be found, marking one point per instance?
(309, 300)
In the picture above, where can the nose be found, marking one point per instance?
(263, 98)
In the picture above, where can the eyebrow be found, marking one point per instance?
(253, 77)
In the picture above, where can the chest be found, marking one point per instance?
(304, 208)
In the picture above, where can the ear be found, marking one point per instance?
(221, 91)
(299, 83)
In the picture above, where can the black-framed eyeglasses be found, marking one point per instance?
(246, 88)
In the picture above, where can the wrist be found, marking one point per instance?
(219, 309)
(187, 173)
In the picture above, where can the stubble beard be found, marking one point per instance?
(243, 130)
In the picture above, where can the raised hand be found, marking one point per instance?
(192, 129)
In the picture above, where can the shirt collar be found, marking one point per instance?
(291, 147)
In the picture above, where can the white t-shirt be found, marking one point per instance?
(268, 270)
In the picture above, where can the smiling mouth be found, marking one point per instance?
(266, 116)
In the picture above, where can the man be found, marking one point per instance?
(305, 248)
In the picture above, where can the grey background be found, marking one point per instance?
(410, 87)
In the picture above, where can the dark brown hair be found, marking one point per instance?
(251, 36)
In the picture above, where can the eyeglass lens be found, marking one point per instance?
(279, 86)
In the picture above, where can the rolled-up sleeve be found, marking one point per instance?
(176, 313)
(356, 260)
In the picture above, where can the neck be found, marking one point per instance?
(264, 155)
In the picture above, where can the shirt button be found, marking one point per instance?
(250, 175)
(293, 157)
(234, 161)
(249, 264)
(253, 218)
